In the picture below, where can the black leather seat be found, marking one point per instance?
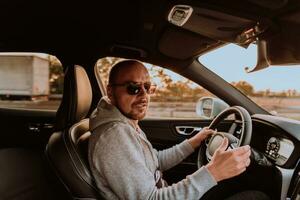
(67, 147)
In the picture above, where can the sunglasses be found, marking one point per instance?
(133, 88)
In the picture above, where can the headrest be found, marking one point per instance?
(77, 98)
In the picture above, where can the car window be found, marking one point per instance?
(30, 81)
(175, 96)
(276, 88)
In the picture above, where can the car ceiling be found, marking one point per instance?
(83, 31)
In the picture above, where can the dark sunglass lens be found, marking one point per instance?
(133, 89)
(147, 86)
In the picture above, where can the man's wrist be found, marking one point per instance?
(210, 168)
(194, 142)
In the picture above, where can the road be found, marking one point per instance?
(287, 108)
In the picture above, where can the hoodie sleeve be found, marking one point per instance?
(170, 157)
(121, 162)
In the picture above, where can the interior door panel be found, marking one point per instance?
(25, 128)
(24, 171)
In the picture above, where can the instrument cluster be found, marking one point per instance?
(279, 150)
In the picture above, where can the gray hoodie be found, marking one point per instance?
(123, 162)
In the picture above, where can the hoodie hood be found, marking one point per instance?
(106, 113)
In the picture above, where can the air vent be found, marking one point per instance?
(179, 14)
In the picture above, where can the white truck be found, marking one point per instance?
(24, 75)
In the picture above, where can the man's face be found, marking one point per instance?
(132, 106)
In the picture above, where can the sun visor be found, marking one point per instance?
(276, 54)
(209, 23)
(182, 44)
(279, 49)
(284, 48)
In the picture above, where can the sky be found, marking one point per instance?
(230, 61)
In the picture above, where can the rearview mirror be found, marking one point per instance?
(209, 107)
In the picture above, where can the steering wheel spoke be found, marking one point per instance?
(232, 127)
(206, 142)
(208, 156)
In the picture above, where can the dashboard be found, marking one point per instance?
(277, 138)
(275, 145)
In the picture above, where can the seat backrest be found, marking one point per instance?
(67, 149)
(67, 153)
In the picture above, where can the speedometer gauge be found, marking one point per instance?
(273, 148)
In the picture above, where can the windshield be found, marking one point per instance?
(276, 89)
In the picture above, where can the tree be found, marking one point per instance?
(175, 90)
(104, 66)
(56, 75)
(244, 87)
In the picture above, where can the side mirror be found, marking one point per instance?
(209, 107)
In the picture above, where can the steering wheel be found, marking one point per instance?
(243, 137)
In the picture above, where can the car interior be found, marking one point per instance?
(43, 153)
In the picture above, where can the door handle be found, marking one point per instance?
(38, 127)
(34, 128)
(187, 130)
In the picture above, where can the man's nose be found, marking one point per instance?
(143, 91)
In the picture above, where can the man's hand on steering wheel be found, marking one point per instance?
(197, 139)
(226, 164)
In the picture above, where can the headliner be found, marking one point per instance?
(82, 32)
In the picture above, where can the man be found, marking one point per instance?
(124, 163)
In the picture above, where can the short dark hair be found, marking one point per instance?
(116, 68)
